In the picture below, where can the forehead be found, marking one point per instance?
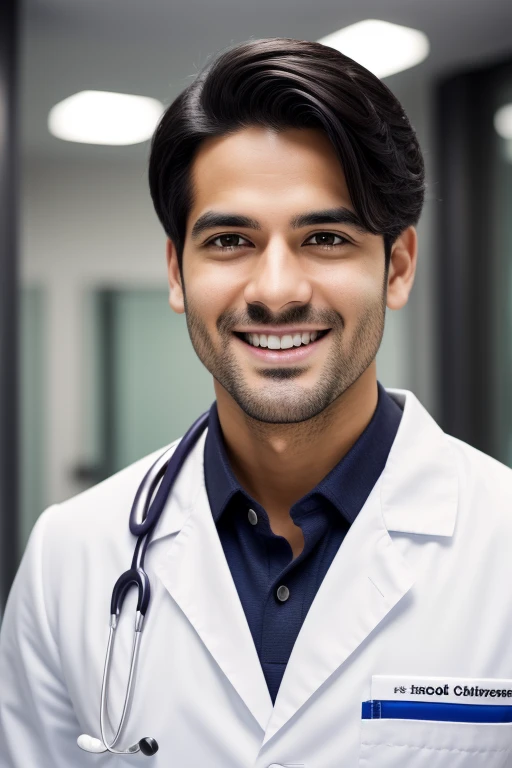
(258, 164)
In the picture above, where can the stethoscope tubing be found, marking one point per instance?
(145, 514)
(104, 687)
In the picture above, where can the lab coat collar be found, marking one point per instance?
(419, 489)
(420, 452)
(416, 493)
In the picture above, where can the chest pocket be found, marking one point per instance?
(395, 743)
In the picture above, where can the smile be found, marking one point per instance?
(285, 341)
(282, 348)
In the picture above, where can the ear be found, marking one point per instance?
(176, 299)
(402, 268)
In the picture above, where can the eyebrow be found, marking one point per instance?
(341, 215)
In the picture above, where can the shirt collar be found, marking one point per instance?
(346, 486)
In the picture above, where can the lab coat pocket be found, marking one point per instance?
(397, 743)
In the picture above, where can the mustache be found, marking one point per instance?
(260, 315)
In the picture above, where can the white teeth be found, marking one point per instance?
(281, 342)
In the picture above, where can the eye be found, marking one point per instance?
(228, 236)
(328, 235)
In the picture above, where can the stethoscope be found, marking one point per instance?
(143, 519)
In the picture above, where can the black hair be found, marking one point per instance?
(284, 83)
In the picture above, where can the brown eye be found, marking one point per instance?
(328, 236)
(230, 245)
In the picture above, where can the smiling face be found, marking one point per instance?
(285, 308)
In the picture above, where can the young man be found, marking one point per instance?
(329, 576)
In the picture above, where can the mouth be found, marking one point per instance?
(282, 348)
(278, 342)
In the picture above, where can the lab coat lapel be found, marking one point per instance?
(194, 570)
(365, 581)
(416, 493)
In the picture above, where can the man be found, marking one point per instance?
(329, 577)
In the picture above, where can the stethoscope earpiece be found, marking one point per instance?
(90, 744)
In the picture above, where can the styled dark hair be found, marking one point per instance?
(283, 83)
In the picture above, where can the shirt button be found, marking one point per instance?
(283, 593)
(253, 517)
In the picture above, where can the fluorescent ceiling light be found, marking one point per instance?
(380, 46)
(101, 117)
(503, 121)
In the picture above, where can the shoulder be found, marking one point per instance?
(482, 467)
(485, 485)
(100, 510)
(79, 545)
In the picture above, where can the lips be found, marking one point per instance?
(290, 355)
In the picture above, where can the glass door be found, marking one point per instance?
(146, 384)
(502, 224)
(474, 257)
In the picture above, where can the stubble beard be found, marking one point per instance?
(281, 399)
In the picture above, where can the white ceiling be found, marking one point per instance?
(155, 47)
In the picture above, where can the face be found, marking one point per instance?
(285, 303)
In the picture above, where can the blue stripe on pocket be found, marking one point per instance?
(426, 710)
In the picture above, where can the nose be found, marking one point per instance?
(278, 279)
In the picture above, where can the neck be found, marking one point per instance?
(277, 464)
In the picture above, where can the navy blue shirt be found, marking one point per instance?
(261, 562)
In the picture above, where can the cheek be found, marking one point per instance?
(210, 293)
(352, 290)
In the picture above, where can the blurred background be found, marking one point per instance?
(97, 371)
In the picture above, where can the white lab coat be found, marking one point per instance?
(421, 586)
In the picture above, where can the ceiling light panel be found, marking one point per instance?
(102, 117)
(380, 46)
(503, 121)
